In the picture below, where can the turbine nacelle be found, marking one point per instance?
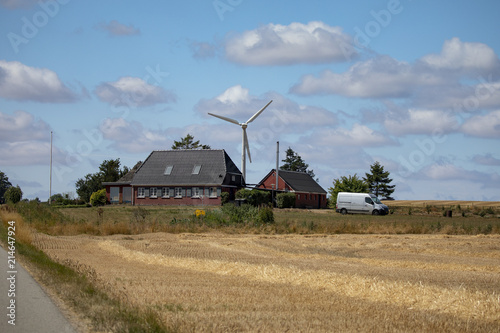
(245, 148)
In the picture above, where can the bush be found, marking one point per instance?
(266, 215)
(285, 200)
(13, 194)
(224, 198)
(98, 198)
(254, 197)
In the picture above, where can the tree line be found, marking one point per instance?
(376, 181)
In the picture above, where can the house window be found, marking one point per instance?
(168, 170)
(178, 192)
(140, 192)
(196, 192)
(153, 192)
(196, 169)
(298, 196)
(212, 192)
(166, 192)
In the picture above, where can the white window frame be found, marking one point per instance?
(212, 192)
(140, 192)
(178, 192)
(153, 192)
(165, 192)
(195, 192)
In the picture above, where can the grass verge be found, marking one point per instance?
(104, 313)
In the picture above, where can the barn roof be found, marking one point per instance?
(186, 167)
(298, 181)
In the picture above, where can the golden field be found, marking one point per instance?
(215, 282)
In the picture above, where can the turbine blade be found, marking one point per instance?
(247, 146)
(252, 118)
(225, 118)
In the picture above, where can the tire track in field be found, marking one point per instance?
(457, 302)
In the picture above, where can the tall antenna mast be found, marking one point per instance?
(50, 182)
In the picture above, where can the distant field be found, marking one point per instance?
(213, 282)
(446, 203)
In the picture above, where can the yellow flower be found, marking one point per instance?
(199, 212)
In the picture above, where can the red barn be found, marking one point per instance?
(308, 193)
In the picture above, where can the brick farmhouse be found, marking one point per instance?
(199, 177)
(308, 193)
(178, 177)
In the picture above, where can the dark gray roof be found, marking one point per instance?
(298, 181)
(215, 165)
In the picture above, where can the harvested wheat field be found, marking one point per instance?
(314, 283)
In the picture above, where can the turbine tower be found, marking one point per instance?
(244, 144)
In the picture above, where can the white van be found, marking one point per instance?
(362, 203)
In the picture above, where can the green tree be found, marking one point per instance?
(378, 181)
(294, 162)
(189, 143)
(346, 184)
(13, 194)
(109, 171)
(4, 185)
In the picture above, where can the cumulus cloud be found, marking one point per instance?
(275, 44)
(433, 80)
(467, 58)
(24, 140)
(380, 77)
(24, 83)
(132, 137)
(282, 116)
(450, 172)
(486, 126)
(115, 28)
(134, 92)
(421, 122)
(359, 135)
(487, 159)
(22, 126)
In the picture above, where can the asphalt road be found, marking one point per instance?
(23, 302)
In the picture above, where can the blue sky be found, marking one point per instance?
(414, 85)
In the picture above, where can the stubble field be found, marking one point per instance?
(214, 282)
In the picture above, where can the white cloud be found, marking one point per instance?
(487, 159)
(449, 172)
(22, 126)
(358, 135)
(380, 77)
(25, 153)
(282, 116)
(486, 126)
(431, 81)
(115, 28)
(469, 58)
(132, 136)
(275, 44)
(24, 83)
(421, 122)
(234, 94)
(133, 92)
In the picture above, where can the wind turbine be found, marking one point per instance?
(244, 144)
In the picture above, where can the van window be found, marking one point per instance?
(369, 201)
